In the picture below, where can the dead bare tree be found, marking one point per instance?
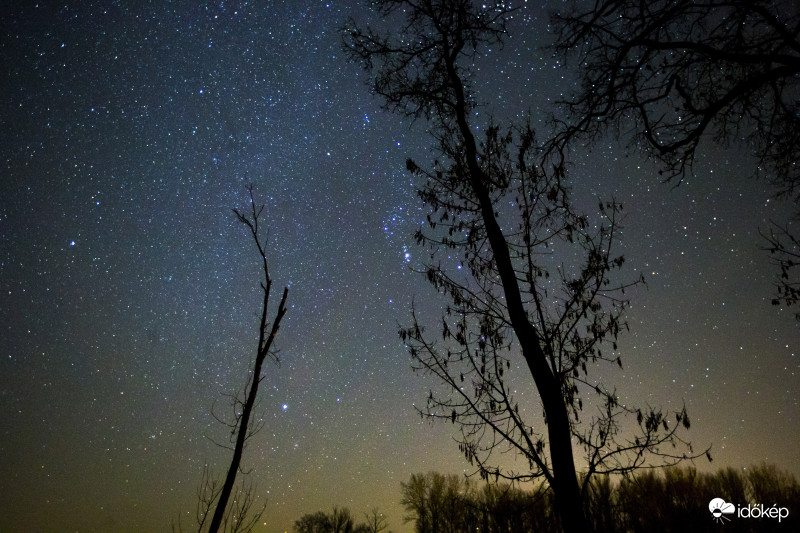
(528, 279)
(234, 511)
(375, 521)
(266, 338)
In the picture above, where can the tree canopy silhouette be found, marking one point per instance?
(672, 499)
(340, 521)
(529, 281)
(668, 74)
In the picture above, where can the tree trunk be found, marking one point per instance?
(564, 481)
(264, 346)
(241, 436)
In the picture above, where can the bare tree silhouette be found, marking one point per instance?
(375, 521)
(238, 514)
(264, 350)
(339, 521)
(667, 74)
(318, 522)
(528, 279)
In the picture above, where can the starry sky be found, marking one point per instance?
(129, 294)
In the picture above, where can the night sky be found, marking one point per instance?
(129, 294)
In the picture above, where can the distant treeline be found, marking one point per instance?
(759, 498)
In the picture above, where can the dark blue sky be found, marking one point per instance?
(128, 294)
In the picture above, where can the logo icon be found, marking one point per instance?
(719, 508)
